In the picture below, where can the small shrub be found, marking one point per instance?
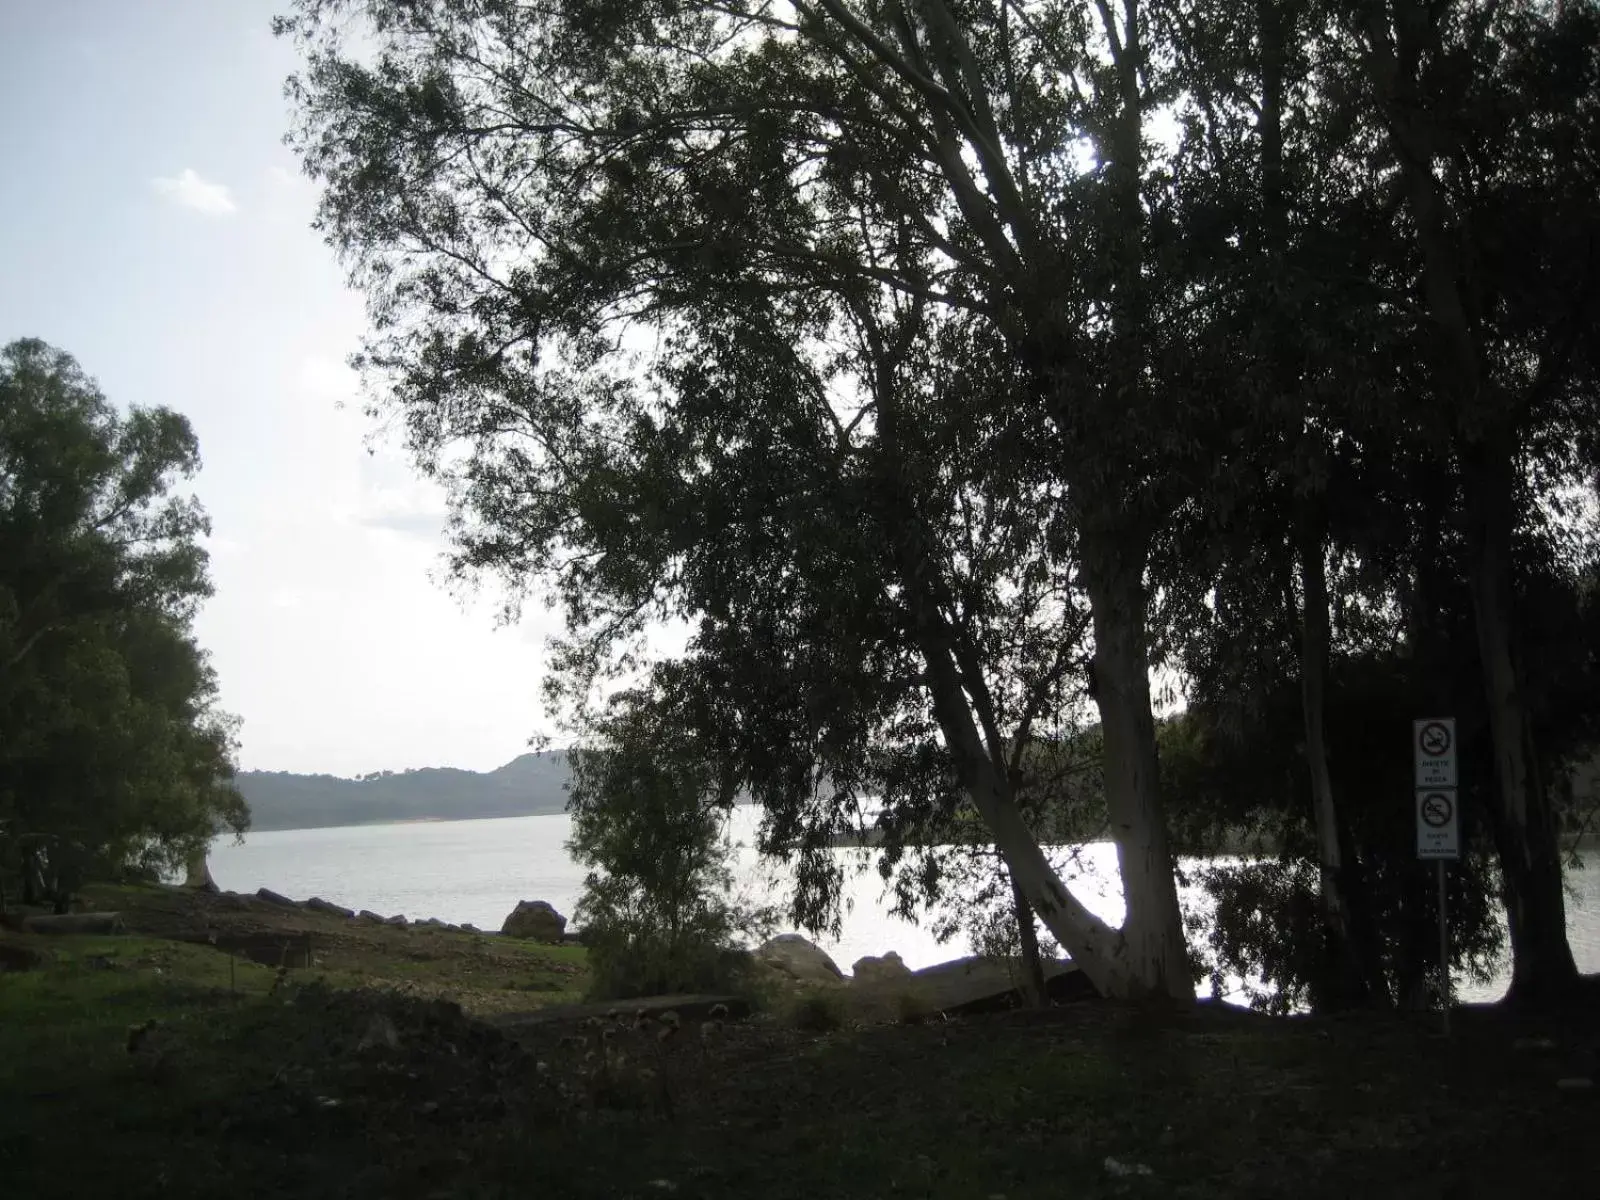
(659, 910)
(626, 963)
(819, 1011)
(910, 1008)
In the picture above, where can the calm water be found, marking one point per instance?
(476, 871)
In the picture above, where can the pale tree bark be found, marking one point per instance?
(1542, 966)
(1155, 950)
(1125, 964)
(929, 53)
(1098, 950)
(197, 874)
(1524, 823)
(1114, 549)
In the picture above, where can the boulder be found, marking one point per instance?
(799, 960)
(891, 968)
(535, 920)
(366, 914)
(399, 921)
(272, 897)
(318, 904)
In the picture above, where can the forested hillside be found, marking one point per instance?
(526, 786)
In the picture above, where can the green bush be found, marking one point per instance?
(817, 1011)
(659, 912)
(627, 961)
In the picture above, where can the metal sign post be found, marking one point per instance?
(1444, 950)
(1433, 748)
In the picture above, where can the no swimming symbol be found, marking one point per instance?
(1437, 810)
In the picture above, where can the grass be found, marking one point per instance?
(269, 1091)
(484, 973)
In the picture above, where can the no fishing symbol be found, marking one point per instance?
(1437, 810)
(1435, 739)
(1433, 749)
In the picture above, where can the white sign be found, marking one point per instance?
(1438, 823)
(1433, 748)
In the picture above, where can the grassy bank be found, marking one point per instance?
(373, 1084)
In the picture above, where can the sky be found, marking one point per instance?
(154, 226)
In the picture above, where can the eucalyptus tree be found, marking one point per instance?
(1400, 341)
(1487, 119)
(533, 193)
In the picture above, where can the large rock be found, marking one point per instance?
(891, 968)
(318, 904)
(535, 920)
(798, 960)
(272, 897)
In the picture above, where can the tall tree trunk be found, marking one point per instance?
(1114, 551)
(1096, 948)
(1028, 938)
(1156, 950)
(1542, 967)
(1347, 986)
(32, 893)
(1117, 964)
(197, 872)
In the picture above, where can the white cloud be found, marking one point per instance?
(286, 597)
(191, 191)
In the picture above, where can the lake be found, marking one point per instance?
(476, 871)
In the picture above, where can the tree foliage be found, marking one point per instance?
(113, 755)
(660, 912)
(942, 366)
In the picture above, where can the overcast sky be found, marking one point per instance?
(153, 225)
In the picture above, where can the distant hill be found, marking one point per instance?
(532, 785)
